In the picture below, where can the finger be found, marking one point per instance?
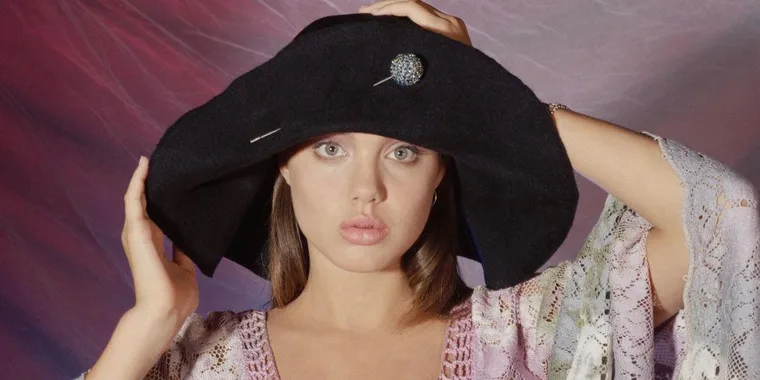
(415, 11)
(377, 5)
(182, 260)
(438, 12)
(133, 203)
(143, 200)
(430, 8)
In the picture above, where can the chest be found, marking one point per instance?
(323, 355)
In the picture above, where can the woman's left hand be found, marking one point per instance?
(424, 15)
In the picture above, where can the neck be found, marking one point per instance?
(360, 302)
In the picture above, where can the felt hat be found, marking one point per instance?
(210, 181)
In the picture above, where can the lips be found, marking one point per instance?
(363, 230)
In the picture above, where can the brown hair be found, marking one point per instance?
(430, 264)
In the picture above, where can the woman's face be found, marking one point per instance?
(362, 200)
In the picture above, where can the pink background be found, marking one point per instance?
(88, 86)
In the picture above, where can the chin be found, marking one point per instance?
(365, 259)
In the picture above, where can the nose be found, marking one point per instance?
(367, 185)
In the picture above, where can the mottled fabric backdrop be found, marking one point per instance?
(86, 87)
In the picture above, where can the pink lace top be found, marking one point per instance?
(238, 348)
(586, 319)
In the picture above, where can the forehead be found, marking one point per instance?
(358, 137)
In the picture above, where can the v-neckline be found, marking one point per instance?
(448, 337)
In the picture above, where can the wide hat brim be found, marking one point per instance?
(209, 187)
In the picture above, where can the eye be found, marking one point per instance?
(405, 153)
(328, 149)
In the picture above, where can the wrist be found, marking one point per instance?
(156, 317)
(140, 337)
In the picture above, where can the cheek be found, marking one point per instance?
(411, 210)
(314, 201)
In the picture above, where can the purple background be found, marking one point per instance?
(88, 86)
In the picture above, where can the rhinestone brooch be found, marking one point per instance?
(406, 70)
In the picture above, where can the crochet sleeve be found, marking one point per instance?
(592, 317)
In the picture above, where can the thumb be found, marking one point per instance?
(182, 260)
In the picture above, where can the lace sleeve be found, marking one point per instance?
(210, 348)
(592, 317)
(562, 323)
(202, 349)
(717, 334)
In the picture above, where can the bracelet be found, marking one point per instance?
(556, 106)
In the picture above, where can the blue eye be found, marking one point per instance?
(405, 153)
(328, 149)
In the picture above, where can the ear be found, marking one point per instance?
(444, 164)
(284, 170)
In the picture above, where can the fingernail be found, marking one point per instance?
(142, 160)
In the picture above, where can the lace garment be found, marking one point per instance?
(589, 318)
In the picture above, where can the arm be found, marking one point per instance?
(137, 342)
(630, 166)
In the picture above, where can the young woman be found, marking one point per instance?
(364, 227)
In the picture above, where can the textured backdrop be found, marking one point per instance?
(88, 86)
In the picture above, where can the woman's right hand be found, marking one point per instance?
(162, 287)
(166, 293)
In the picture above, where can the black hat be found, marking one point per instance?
(211, 176)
